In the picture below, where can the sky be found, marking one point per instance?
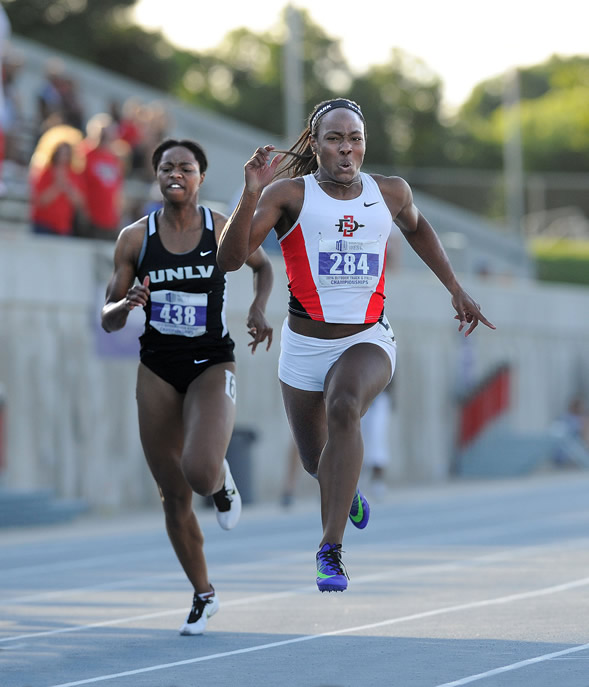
(463, 41)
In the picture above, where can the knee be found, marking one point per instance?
(343, 412)
(177, 507)
(310, 464)
(202, 478)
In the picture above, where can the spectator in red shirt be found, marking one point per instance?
(104, 174)
(57, 197)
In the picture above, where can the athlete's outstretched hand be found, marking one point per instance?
(137, 295)
(468, 312)
(259, 170)
(259, 328)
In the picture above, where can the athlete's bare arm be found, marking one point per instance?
(122, 294)
(258, 326)
(425, 242)
(264, 204)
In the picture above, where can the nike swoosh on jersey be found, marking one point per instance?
(366, 205)
(205, 252)
(198, 362)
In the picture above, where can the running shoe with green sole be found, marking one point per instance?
(331, 573)
(360, 511)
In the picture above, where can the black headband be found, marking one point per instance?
(332, 105)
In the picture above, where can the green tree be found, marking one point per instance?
(243, 79)
(98, 31)
(401, 102)
(243, 76)
(240, 79)
(554, 118)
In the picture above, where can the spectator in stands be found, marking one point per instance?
(49, 100)
(151, 123)
(157, 124)
(57, 197)
(130, 130)
(72, 112)
(104, 174)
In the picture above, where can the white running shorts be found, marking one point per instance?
(305, 361)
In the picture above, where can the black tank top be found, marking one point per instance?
(186, 308)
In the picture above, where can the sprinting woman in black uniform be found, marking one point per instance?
(166, 263)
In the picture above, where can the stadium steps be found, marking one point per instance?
(14, 201)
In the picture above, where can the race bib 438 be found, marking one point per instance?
(176, 312)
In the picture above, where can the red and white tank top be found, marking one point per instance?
(335, 255)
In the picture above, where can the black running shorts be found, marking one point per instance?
(181, 367)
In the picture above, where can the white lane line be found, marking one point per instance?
(148, 616)
(271, 596)
(106, 586)
(515, 666)
(382, 525)
(307, 589)
(140, 580)
(362, 628)
(408, 543)
(92, 562)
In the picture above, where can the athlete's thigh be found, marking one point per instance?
(305, 411)
(360, 373)
(209, 414)
(161, 427)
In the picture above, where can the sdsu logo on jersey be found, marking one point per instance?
(348, 225)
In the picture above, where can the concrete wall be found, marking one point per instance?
(70, 407)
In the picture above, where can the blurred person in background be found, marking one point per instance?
(375, 432)
(12, 123)
(376, 421)
(571, 434)
(131, 130)
(104, 176)
(56, 184)
(58, 99)
(337, 349)
(49, 99)
(72, 112)
(186, 389)
(153, 121)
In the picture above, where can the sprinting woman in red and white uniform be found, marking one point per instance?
(337, 349)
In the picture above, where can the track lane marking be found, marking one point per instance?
(510, 598)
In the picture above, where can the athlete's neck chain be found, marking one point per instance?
(338, 183)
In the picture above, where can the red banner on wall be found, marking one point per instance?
(490, 399)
